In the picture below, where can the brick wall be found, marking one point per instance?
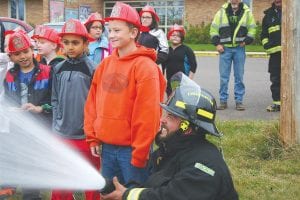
(46, 16)
(34, 12)
(259, 6)
(37, 11)
(197, 12)
(3, 8)
(96, 5)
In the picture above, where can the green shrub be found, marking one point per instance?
(198, 34)
(257, 40)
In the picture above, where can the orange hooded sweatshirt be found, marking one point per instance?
(123, 107)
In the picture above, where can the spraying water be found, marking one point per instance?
(32, 157)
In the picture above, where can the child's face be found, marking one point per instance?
(120, 35)
(175, 38)
(45, 47)
(96, 30)
(74, 46)
(146, 19)
(24, 58)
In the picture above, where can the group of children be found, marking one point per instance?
(103, 106)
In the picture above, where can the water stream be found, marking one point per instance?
(32, 157)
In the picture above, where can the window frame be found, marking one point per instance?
(18, 2)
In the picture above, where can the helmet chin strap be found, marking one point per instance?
(184, 127)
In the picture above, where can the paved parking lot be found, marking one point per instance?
(256, 79)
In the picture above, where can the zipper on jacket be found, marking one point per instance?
(69, 79)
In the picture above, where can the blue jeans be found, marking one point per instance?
(237, 56)
(116, 162)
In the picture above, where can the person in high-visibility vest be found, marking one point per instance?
(232, 28)
(271, 40)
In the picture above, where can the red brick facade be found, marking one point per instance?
(37, 11)
(196, 12)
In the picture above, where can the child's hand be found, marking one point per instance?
(32, 108)
(95, 151)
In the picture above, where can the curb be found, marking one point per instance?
(248, 54)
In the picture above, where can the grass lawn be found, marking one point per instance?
(210, 47)
(261, 168)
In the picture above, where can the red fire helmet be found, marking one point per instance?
(124, 12)
(8, 32)
(75, 27)
(18, 41)
(151, 10)
(176, 27)
(95, 17)
(49, 34)
(37, 31)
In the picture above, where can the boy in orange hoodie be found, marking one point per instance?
(122, 109)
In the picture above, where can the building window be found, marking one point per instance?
(17, 9)
(169, 12)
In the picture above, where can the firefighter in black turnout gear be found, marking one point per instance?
(271, 40)
(186, 165)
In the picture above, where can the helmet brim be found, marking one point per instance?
(102, 21)
(170, 110)
(107, 19)
(210, 128)
(152, 13)
(89, 38)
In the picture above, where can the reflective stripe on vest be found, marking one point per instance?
(134, 194)
(228, 39)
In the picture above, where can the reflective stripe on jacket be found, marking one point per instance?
(220, 27)
(271, 31)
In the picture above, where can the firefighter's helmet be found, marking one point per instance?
(151, 10)
(18, 41)
(176, 27)
(124, 12)
(75, 27)
(94, 17)
(49, 34)
(193, 104)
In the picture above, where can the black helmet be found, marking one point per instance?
(190, 102)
